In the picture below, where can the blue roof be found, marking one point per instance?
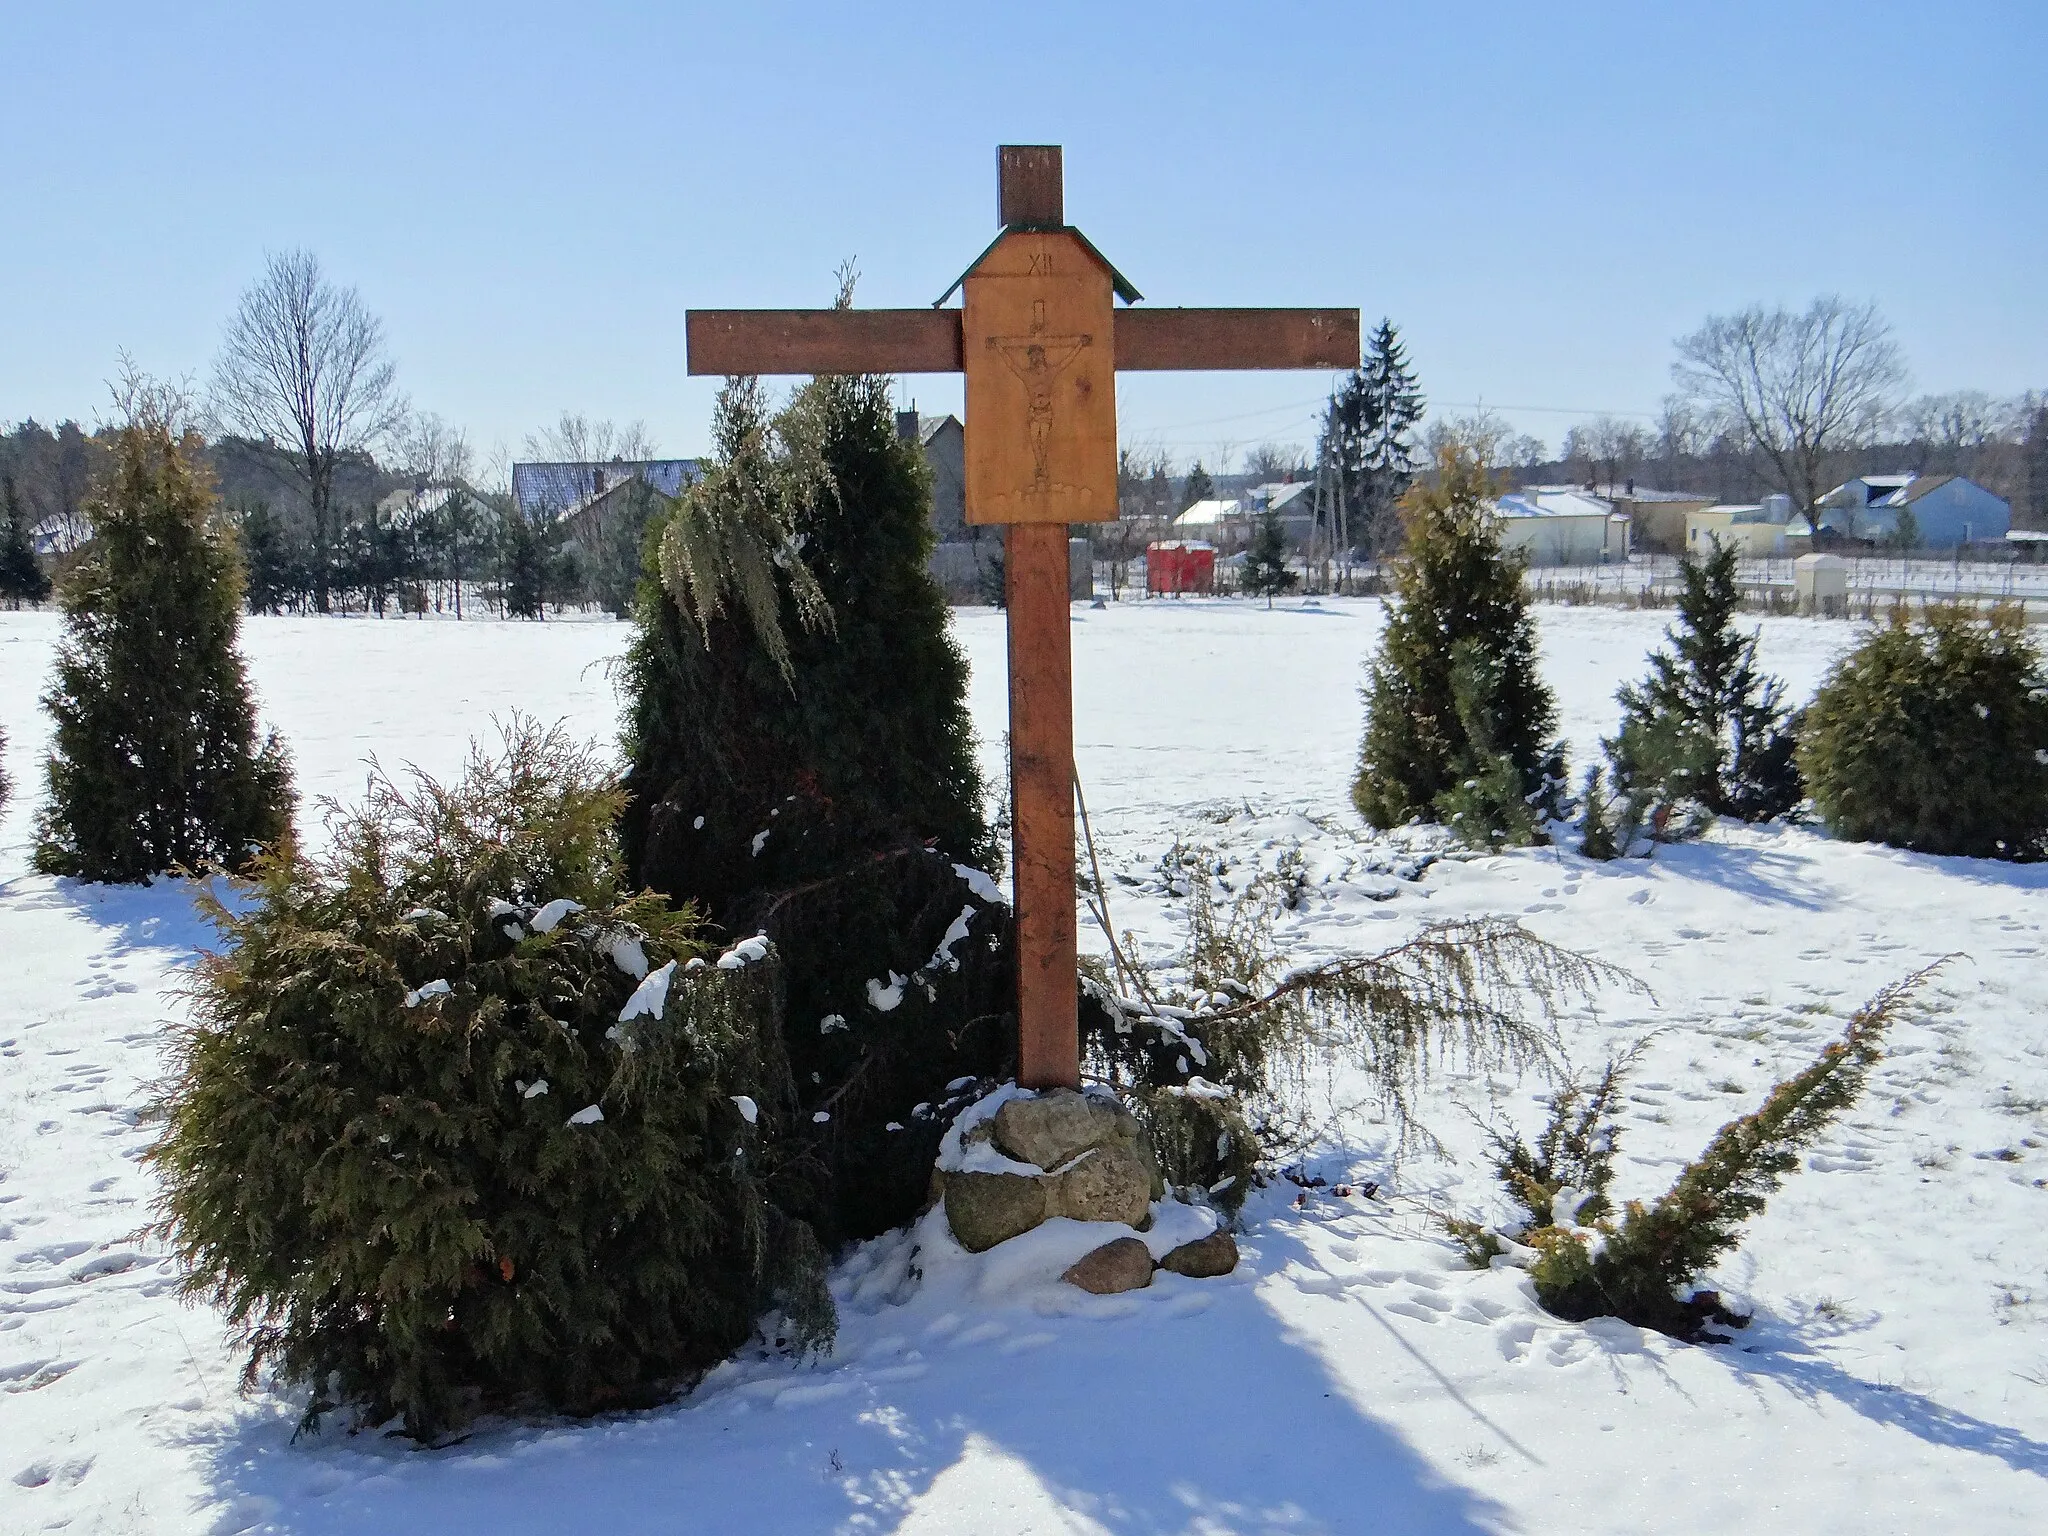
(545, 489)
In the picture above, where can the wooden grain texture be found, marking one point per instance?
(1159, 339)
(1030, 186)
(1042, 803)
(810, 341)
(1036, 344)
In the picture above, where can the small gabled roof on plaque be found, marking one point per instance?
(1121, 284)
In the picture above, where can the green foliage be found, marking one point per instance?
(378, 1153)
(828, 803)
(1265, 563)
(1197, 487)
(1705, 728)
(530, 563)
(156, 763)
(1642, 1264)
(1368, 439)
(1934, 737)
(272, 574)
(1905, 532)
(734, 533)
(1221, 1065)
(1458, 721)
(22, 577)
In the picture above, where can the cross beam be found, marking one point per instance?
(1040, 342)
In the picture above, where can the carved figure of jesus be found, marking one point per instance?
(1038, 359)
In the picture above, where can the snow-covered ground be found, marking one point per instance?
(1352, 1376)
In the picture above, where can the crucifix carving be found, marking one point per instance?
(1040, 340)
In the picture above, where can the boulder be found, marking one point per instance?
(1052, 1128)
(984, 1209)
(1107, 1184)
(1122, 1265)
(1204, 1258)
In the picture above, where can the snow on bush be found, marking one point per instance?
(409, 1148)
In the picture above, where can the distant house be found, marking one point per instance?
(944, 441)
(1656, 519)
(544, 492)
(1946, 510)
(1219, 520)
(1294, 501)
(401, 508)
(1562, 526)
(1758, 528)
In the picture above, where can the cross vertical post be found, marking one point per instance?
(1030, 194)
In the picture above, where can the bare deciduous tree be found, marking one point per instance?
(1797, 387)
(302, 365)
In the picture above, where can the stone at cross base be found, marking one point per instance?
(1019, 1159)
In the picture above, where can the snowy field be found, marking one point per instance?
(1351, 1377)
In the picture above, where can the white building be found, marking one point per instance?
(1558, 526)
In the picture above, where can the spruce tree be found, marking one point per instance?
(523, 564)
(1265, 563)
(1368, 439)
(270, 577)
(802, 764)
(1396, 405)
(1458, 723)
(21, 575)
(156, 762)
(1706, 726)
(1197, 487)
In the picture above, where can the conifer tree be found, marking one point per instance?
(21, 575)
(1389, 450)
(1458, 722)
(523, 557)
(1706, 726)
(1368, 439)
(1197, 487)
(802, 764)
(156, 762)
(1265, 563)
(269, 578)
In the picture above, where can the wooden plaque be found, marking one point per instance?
(1038, 346)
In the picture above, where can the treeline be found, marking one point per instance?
(390, 546)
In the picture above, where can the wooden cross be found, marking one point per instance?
(1040, 342)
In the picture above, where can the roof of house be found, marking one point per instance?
(1206, 514)
(1915, 487)
(1536, 501)
(929, 427)
(1280, 494)
(556, 487)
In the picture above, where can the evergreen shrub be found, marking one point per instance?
(802, 765)
(1643, 1264)
(458, 1127)
(22, 577)
(1706, 732)
(1458, 722)
(156, 764)
(1934, 736)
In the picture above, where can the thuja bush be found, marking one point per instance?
(1934, 736)
(1458, 721)
(1220, 1057)
(802, 765)
(457, 1126)
(1643, 1263)
(156, 762)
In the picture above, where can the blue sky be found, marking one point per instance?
(1541, 197)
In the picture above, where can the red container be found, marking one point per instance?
(1180, 566)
